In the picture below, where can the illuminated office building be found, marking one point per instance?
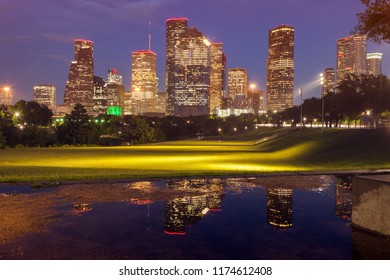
(127, 110)
(374, 64)
(257, 98)
(217, 76)
(280, 68)
(144, 81)
(99, 96)
(238, 82)
(161, 104)
(6, 95)
(329, 79)
(45, 95)
(279, 207)
(351, 56)
(79, 87)
(115, 90)
(188, 69)
(175, 27)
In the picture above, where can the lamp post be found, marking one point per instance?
(300, 94)
(322, 100)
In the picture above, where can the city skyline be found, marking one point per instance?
(26, 62)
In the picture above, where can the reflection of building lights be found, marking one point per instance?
(186, 211)
(279, 207)
(205, 211)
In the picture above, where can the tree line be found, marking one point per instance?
(356, 99)
(31, 124)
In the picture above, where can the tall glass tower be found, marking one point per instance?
(79, 87)
(174, 28)
(144, 81)
(351, 56)
(280, 68)
(374, 64)
(217, 79)
(188, 70)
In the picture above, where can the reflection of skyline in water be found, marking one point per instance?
(128, 220)
(183, 212)
(344, 197)
(279, 207)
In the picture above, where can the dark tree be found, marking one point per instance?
(77, 128)
(9, 132)
(375, 20)
(136, 130)
(32, 113)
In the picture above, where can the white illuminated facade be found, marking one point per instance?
(217, 76)
(143, 82)
(374, 63)
(45, 94)
(238, 82)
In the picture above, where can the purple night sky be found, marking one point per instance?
(36, 43)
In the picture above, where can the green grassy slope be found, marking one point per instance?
(257, 151)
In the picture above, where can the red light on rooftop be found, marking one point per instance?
(144, 51)
(83, 40)
(177, 19)
(174, 233)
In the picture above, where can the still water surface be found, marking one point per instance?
(237, 218)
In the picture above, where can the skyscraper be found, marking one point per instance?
(351, 56)
(6, 95)
(99, 95)
(238, 82)
(115, 90)
(374, 64)
(328, 85)
(188, 70)
(144, 81)
(280, 68)
(217, 76)
(45, 94)
(79, 87)
(174, 28)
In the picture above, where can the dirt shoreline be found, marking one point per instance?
(52, 183)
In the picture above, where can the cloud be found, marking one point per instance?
(119, 9)
(59, 37)
(16, 38)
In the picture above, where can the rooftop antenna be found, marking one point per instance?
(150, 35)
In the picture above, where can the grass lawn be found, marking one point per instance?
(257, 151)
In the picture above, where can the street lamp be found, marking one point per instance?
(322, 99)
(300, 94)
